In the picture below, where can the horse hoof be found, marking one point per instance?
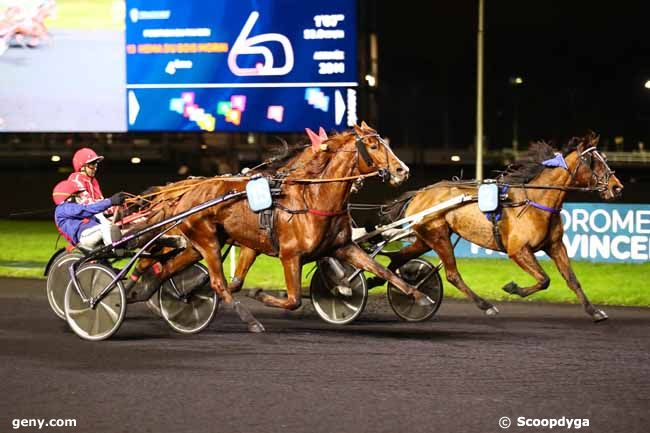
(492, 311)
(344, 291)
(256, 327)
(599, 316)
(511, 288)
(425, 301)
(254, 293)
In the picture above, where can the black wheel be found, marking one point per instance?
(188, 309)
(426, 278)
(104, 320)
(338, 301)
(57, 281)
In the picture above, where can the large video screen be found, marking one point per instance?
(178, 65)
(240, 65)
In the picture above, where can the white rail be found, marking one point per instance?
(416, 218)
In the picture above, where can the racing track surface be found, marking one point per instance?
(458, 373)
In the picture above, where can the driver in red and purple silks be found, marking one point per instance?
(85, 163)
(79, 223)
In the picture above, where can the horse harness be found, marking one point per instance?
(585, 157)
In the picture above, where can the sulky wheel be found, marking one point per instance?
(102, 321)
(57, 281)
(425, 277)
(335, 299)
(187, 302)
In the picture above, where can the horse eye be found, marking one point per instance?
(374, 147)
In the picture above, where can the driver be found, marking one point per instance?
(85, 163)
(78, 222)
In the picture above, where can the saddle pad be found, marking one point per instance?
(488, 197)
(259, 194)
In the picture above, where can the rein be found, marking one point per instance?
(333, 179)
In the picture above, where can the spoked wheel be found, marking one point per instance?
(104, 320)
(188, 309)
(338, 301)
(426, 278)
(57, 281)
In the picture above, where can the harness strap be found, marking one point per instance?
(542, 207)
(364, 152)
(496, 232)
(323, 213)
(326, 213)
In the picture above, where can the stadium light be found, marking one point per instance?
(136, 160)
(55, 158)
(372, 82)
(647, 84)
(455, 158)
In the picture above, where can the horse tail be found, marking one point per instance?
(395, 210)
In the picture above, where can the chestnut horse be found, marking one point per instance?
(530, 219)
(312, 218)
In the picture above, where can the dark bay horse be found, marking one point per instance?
(312, 218)
(530, 224)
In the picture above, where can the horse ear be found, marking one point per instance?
(595, 138)
(358, 129)
(364, 125)
(317, 141)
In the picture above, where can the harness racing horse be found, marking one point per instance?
(312, 218)
(529, 221)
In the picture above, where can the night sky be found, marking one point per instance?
(584, 65)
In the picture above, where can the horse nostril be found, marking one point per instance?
(400, 170)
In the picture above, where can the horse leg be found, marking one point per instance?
(439, 241)
(557, 252)
(354, 255)
(526, 260)
(245, 260)
(292, 277)
(397, 259)
(204, 239)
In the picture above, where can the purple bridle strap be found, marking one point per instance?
(557, 161)
(542, 207)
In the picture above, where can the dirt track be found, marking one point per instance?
(458, 373)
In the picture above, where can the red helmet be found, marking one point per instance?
(63, 190)
(83, 157)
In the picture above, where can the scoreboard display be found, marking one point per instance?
(240, 65)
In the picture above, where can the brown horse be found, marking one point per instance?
(159, 202)
(311, 218)
(530, 219)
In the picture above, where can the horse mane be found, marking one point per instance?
(281, 159)
(316, 165)
(530, 165)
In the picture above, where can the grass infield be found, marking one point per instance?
(88, 15)
(26, 246)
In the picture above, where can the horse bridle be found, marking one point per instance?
(586, 157)
(384, 173)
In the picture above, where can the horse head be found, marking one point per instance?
(375, 155)
(592, 170)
